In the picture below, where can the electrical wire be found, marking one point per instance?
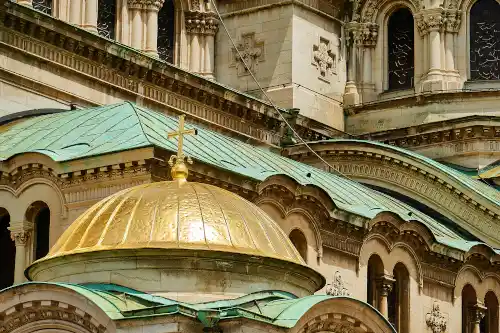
(330, 167)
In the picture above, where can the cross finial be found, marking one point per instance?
(179, 169)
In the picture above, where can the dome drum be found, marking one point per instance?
(184, 275)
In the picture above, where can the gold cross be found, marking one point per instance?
(179, 158)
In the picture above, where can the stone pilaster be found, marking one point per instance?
(362, 39)
(201, 28)
(20, 233)
(452, 22)
(384, 285)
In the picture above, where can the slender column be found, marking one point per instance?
(20, 234)
(75, 12)
(25, 2)
(136, 28)
(384, 287)
(476, 314)
(435, 47)
(194, 62)
(90, 15)
(367, 65)
(209, 55)
(152, 32)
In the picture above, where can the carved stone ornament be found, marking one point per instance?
(477, 313)
(324, 59)
(337, 287)
(252, 52)
(145, 4)
(20, 238)
(201, 23)
(452, 20)
(435, 319)
(384, 285)
(363, 34)
(430, 20)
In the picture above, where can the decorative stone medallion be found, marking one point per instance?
(324, 59)
(252, 52)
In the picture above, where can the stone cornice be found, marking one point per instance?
(445, 196)
(134, 72)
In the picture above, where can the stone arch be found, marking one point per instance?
(313, 225)
(468, 274)
(7, 250)
(403, 253)
(378, 10)
(339, 314)
(375, 244)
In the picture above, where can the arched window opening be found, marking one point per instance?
(472, 312)
(7, 251)
(44, 6)
(401, 49)
(299, 241)
(39, 214)
(375, 270)
(484, 37)
(490, 322)
(106, 18)
(166, 31)
(399, 299)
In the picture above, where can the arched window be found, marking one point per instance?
(166, 31)
(299, 241)
(106, 18)
(44, 6)
(375, 270)
(399, 299)
(7, 251)
(39, 214)
(491, 319)
(401, 49)
(472, 312)
(484, 37)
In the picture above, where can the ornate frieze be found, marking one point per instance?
(204, 23)
(145, 4)
(435, 319)
(248, 50)
(337, 286)
(56, 312)
(324, 59)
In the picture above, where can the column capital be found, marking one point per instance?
(145, 4)
(363, 34)
(452, 20)
(477, 312)
(430, 20)
(203, 23)
(384, 284)
(20, 232)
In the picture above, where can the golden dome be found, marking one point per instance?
(176, 215)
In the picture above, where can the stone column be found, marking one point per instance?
(152, 32)
(201, 28)
(20, 234)
(384, 287)
(476, 314)
(75, 12)
(136, 39)
(90, 22)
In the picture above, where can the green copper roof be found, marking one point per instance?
(273, 307)
(96, 131)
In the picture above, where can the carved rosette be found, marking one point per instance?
(252, 52)
(430, 20)
(21, 237)
(204, 23)
(435, 319)
(145, 4)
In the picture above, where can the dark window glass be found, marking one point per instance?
(7, 253)
(166, 31)
(106, 18)
(401, 54)
(42, 229)
(43, 6)
(485, 40)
